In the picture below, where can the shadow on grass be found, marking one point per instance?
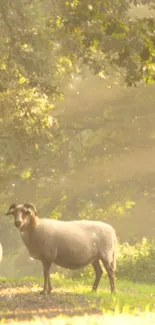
(23, 303)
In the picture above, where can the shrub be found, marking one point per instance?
(137, 262)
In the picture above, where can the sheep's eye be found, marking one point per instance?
(24, 214)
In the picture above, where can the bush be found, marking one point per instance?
(137, 262)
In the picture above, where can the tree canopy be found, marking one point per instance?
(43, 44)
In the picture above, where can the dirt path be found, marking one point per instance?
(24, 303)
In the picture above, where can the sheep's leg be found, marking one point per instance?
(110, 271)
(47, 284)
(98, 273)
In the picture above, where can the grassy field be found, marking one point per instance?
(72, 303)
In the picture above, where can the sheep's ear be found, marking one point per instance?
(30, 206)
(11, 209)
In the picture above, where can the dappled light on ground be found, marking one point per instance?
(25, 303)
(72, 302)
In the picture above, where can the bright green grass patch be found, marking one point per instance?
(130, 297)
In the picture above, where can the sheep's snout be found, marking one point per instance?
(18, 223)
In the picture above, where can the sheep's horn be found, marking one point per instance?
(30, 206)
(11, 209)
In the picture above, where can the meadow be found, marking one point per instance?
(72, 302)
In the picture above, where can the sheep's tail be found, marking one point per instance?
(113, 264)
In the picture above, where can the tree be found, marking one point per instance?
(43, 44)
(104, 36)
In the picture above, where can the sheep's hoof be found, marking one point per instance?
(45, 293)
(49, 291)
(94, 289)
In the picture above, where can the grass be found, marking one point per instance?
(72, 302)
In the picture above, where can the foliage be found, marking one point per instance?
(45, 43)
(104, 36)
(137, 263)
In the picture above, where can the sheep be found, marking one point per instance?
(68, 244)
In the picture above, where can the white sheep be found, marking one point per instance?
(69, 244)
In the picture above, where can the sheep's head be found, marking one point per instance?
(23, 214)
